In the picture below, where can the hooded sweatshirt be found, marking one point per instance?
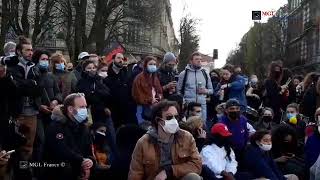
(191, 86)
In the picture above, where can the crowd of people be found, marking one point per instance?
(145, 120)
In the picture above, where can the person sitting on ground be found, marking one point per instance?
(194, 125)
(194, 109)
(258, 160)
(165, 151)
(218, 155)
(266, 120)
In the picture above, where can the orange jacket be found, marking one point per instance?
(145, 163)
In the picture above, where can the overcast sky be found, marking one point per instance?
(223, 22)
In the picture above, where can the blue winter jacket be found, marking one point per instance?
(237, 90)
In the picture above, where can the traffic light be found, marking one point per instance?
(215, 53)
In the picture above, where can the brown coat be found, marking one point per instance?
(142, 88)
(146, 157)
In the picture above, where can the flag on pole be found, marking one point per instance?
(113, 50)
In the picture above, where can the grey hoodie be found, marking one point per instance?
(191, 86)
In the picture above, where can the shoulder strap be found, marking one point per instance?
(184, 81)
(205, 76)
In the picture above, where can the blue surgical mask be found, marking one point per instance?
(44, 64)
(291, 115)
(82, 115)
(152, 68)
(60, 66)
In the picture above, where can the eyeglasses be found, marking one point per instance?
(171, 117)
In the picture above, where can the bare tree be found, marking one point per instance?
(189, 39)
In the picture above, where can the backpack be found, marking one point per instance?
(185, 80)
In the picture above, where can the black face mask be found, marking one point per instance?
(234, 115)
(169, 68)
(222, 141)
(277, 74)
(215, 78)
(266, 119)
(70, 69)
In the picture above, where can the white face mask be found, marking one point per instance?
(265, 147)
(319, 129)
(103, 74)
(171, 126)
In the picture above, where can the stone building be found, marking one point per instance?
(155, 37)
(303, 35)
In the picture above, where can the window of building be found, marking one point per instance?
(135, 33)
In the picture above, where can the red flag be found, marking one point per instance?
(116, 48)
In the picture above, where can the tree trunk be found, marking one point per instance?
(4, 21)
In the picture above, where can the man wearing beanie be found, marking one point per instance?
(167, 73)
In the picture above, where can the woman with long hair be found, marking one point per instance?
(146, 89)
(218, 157)
(311, 98)
(274, 91)
(259, 161)
(66, 81)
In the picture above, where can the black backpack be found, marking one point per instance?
(185, 80)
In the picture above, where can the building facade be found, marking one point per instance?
(303, 35)
(154, 36)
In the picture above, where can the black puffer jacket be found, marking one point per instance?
(97, 95)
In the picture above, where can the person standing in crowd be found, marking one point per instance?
(311, 98)
(194, 125)
(78, 70)
(195, 85)
(50, 98)
(69, 67)
(214, 100)
(66, 80)
(218, 155)
(254, 93)
(118, 82)
(273, 96)
(258, 160)
(103, 70)
(237, 124)
(167, 73)
(69, 141)
(146, 89)
(26, 78)
(266, 120)
(165, 151)
(95, 59)
(7, 111)
(233, 85)
(97, 94)
(294, 92)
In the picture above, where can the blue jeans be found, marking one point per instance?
(139, 114)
